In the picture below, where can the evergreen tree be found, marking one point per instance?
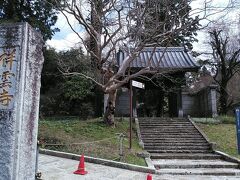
(39, 14)
(167, 14)
(67, 95)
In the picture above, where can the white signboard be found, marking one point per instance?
(138, 84)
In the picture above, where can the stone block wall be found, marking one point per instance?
(189, 104)
(201, 104)
(122, 103)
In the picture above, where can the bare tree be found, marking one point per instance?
(129, 25)
(226, 55)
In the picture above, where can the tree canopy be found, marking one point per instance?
(129, 25)
(112, 27)
(66, 95)
(39, 14)
(166, 14)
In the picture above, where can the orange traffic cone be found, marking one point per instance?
(81, 167)
(149, 177)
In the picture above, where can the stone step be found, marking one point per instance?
(165, 127)
(164, 123)
(184, 156)
(170, 138)
(170, 132)
(178, 136)
(186, 132)
(148, 129)
(147, 147)
(188, 164)
(172, 135)
(173, 141)
(201, 171)
(167, 122)
(175, 138)
(157, 126)
(168, 127)
(161, 119)
(176, 144)
(164, 135)
(178, 151)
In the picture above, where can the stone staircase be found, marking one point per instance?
(177, 147)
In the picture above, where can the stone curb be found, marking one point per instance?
(201, 132)
(139, 133)
(98, 161)
(149, 163)
(228, 157)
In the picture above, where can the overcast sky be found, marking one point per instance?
(65, 39)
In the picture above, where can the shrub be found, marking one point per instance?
(227, 119)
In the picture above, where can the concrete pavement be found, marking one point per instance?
(55, 168)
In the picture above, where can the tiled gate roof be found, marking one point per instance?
(166, 58)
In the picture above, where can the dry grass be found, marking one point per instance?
(224, 135)
(91, 137)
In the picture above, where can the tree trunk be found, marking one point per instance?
(110, 108)
(95, 39)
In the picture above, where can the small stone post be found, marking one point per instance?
(21, 62)
(213, 100)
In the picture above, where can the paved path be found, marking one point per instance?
(55, 168)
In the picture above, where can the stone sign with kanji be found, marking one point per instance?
(21, 60)
(8, 70)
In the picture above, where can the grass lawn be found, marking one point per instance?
(91, 137)
(224, 135)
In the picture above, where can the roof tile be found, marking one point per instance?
(173, 58)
